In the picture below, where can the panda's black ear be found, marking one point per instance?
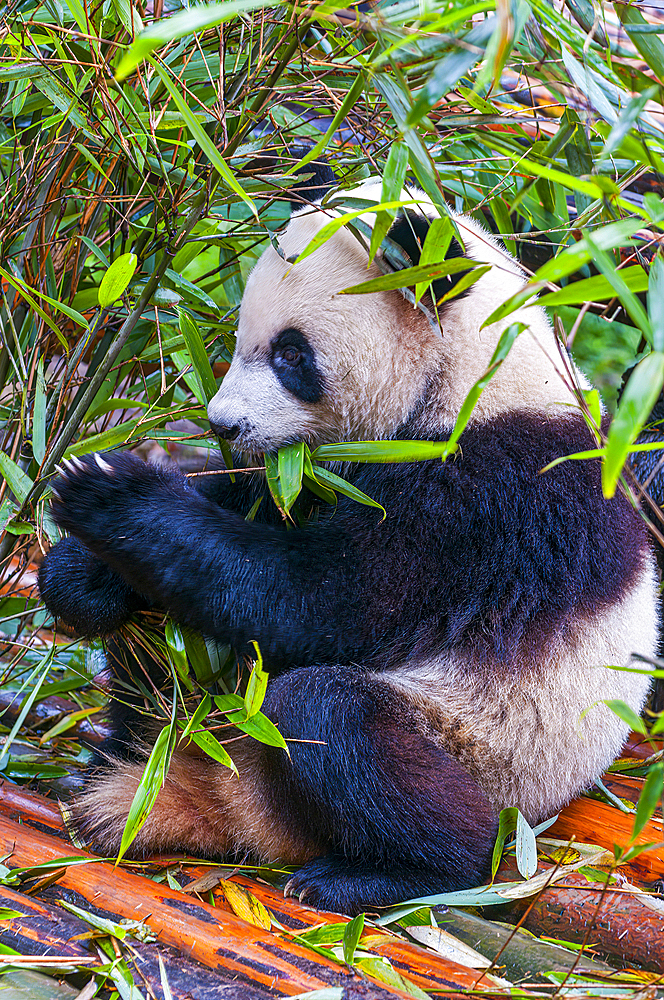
(309, 183)
(409, 231)
(319, 177)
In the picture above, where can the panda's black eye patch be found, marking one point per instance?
(294, 363)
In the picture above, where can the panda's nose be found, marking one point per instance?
(226, 431)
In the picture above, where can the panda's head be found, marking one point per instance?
(315, 365)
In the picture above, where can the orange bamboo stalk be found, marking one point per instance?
(594, 822)
(218, 939)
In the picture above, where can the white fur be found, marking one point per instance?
(519, 730)
(377, 351)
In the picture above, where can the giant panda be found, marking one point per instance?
(428, 668)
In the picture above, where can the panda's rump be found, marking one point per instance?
(536, 733)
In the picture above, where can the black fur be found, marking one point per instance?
(294, 363)
(397, 815)
(409, 232)
(540, 550)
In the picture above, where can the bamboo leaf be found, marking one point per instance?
(115, 281)
(650, 797)
(394, 176)
(409, 276)
(187, 22)
(642, 389)
(381, 451)
(198, 356)
(18, 482)
(195, 127)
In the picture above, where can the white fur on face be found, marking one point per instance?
(253, 399)
(377, 354)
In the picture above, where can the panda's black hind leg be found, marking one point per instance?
(401, 817)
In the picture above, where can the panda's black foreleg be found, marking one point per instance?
(401, 817)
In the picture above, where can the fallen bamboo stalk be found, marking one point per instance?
(41, 929)
(592, 822)
(617, 924)
(624, 932)
(212, 936)
(44, 933)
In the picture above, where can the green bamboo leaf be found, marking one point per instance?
(94, 162)
(198, 356)
(437, 243)
(39, 415)
(451, 67)
(256, 686)
(209, 743)
(198, 655)
(464, 282)
(187, 22)
(649, 45)
(503, 348)
(325, 478)
(383, 970)
(115, 281)
(189, 286)
(506, 826)
(311, 480)
(394, 176)
(193, 124)
(62, 99)
(229, 702)
(351, 938)
(263, 730)
(284, 475)
(129, 16)
(381, 451)
(656, 303)
(18, 482)
(409, 276)
(627, 714)
(642, 390)
(604, 263)
(150, 785)
(650, 797)
(197, 719)
(334, 225)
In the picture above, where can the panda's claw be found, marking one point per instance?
(103, 464)
(63, 472)
(76, 462)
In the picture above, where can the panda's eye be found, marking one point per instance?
(293, 361)
(291, 356)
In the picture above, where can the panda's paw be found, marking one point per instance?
(343, 885)
(96, 496)
(83, 592)
(332, 883)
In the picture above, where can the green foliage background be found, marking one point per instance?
(144, 155)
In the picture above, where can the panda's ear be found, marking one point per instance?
(319, 177)
(309, 183)
(409, 231)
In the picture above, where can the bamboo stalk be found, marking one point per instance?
(594, 822)
(217, 939)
